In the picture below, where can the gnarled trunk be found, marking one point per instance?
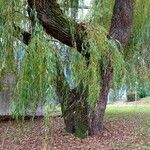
(75, 110)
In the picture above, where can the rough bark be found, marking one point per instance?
(120, 31)
(74, 107)
(122, 21)
(74, 110)
(57, 24)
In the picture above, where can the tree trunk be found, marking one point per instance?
(98, 116)
(75, 110)
(120, 31)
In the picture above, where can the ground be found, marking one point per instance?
(127, 127)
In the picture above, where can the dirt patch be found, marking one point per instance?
(143, 102)
(137, 102)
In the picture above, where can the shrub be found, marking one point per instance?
(132, 97)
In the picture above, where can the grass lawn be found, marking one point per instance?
(127, 111)
(127, 127)
(135, 120)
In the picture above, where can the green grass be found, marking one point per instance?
(135, 118)
(128, 108)
(117, 112)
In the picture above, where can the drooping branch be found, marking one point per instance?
(56, 24)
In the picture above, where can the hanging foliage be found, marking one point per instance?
(37, 73)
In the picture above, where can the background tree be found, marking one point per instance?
(100, 52)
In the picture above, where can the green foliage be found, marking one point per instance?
(101, 12)
(143, 90)
(137, 54)
(9, 12)
(102, 52)
(42, 66)
(37, 76)
(70, 7)
(97, 46)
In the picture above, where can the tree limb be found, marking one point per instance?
(56, 24)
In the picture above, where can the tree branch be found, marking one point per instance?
(56, 24)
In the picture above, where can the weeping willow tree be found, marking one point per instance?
(107, 48)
